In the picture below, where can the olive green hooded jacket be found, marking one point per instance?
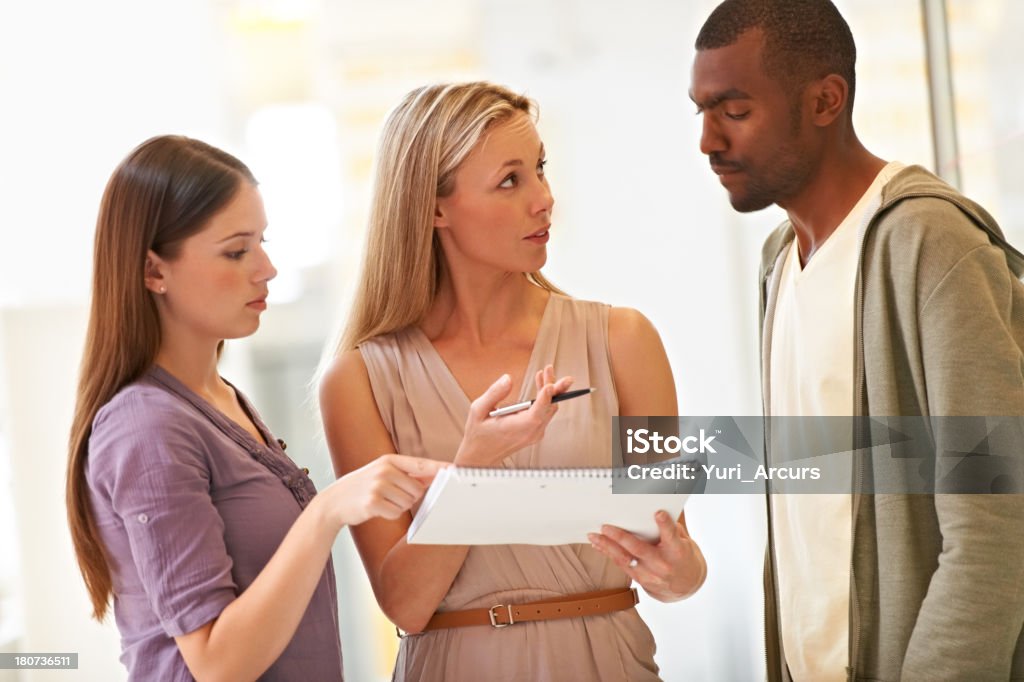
(937, 581)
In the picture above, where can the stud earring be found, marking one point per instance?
(163, 289)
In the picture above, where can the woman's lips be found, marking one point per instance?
(540, 237)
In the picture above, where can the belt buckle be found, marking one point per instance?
(492, 613)
(405, 635)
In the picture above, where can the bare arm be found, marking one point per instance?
(640, 369)
(674, 568)
(409, 581)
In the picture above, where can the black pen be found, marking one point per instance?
(519, 407)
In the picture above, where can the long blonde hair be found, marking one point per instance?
(166, 190)
(425, 140)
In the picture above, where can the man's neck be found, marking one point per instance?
(824, 203)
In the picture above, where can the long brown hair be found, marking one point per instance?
(163, 192)
(425, 140)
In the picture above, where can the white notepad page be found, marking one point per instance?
(466, 506)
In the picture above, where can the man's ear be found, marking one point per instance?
(153, 273)
(830, 97)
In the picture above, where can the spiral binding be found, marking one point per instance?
(540, 472)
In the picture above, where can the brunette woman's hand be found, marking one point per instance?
(670, 569)
(488, 440)
(386, 487)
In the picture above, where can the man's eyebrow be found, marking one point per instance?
(719, 97)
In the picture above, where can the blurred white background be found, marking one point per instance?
(298, 89)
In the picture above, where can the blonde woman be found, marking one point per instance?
(450, 296)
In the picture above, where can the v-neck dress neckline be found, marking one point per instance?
(540, 342)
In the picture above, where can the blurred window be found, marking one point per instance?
(986, 51)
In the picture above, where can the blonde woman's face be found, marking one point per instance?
(499, 213)
(216, 288)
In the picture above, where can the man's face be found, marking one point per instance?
(753, 130)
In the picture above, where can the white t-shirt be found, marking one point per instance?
(812, 375)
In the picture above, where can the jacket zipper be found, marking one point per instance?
(769, 307)
(860, 376)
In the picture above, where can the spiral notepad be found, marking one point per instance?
(467, 506)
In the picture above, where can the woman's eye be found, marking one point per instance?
(510, 181)
(540, 166)
(236, 255)
(737, 116)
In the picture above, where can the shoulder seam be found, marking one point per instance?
(949, 272)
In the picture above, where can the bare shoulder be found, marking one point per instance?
(345, 386)
(640, 367)
(352, 424)
(345, 372)
(630, 331)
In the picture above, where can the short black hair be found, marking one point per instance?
(804, 39)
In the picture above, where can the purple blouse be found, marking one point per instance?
(190, 509)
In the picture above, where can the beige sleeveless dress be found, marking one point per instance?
(425, 410)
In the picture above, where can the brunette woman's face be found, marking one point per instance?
(499, 213)
(216, 287)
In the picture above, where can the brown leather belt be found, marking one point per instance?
(569, 606)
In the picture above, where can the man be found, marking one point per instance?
(886, 292)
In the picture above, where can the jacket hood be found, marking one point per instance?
(911, 182)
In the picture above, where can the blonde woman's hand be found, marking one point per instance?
(488, 440)
(386, 487)
(670, 569)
